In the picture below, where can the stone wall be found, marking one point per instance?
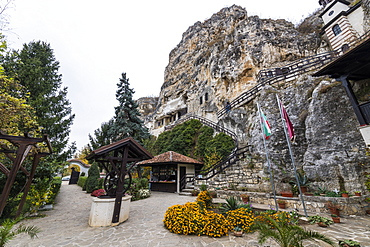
(314, 204)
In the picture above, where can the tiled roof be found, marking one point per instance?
(170, 157)
(79, 161)
(135, 149)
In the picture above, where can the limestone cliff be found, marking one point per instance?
(218, 59)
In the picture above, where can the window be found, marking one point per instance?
(336, 29)
(201, 100)
(331, 13)
(206, 97)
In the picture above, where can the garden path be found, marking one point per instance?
(67, 225)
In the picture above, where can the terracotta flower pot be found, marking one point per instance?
(245, 198)
(287, 194)
(334, 211)
(303, 189)
(336, 219)
(238, 233)
(282, 205)
(322, 224)
(345, 195)
(357, 193)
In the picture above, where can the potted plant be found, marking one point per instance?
(238, 231)
(194, 192)
(357, 193)
(344, 193)
(335, 218)
(303, 182)
(245, 198)
(348, 242)
(213, 193)
(332, 207)
(281, 203)
(322, 191)
(320, 220)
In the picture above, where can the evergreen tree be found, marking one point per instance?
(101, 136)
(92, 179)
(126, 120)
(36, 69)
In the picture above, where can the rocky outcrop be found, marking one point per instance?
(219, 59)
(366, 7)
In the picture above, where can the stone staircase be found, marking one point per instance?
(187, 190)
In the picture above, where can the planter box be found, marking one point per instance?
(286, 194)
(101, 212)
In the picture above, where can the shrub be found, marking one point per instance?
(205, 197)
(92, 179)
(191, 218)
(54, 189)
(242, 217)
(81, 182)
(139, 189)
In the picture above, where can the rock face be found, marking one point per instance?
(219, 59)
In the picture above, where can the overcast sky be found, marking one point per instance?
(95, 41)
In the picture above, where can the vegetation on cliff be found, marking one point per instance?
(194, 140)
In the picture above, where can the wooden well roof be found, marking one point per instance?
(135, 151)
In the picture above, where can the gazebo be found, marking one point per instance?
(170, 171)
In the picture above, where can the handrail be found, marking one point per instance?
(271, 76)
(231, 159)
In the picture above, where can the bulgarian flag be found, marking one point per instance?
(266, 128)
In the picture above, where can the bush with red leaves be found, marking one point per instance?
(98, 193)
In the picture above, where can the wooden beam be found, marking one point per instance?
(4, 169)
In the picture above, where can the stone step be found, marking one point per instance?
(182, 193)
(187, 190)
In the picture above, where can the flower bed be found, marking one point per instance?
(196, 218)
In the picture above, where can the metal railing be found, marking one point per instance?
(290, 71)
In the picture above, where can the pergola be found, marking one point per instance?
(115, 157)
(21, 148)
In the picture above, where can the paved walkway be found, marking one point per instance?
(67, 225)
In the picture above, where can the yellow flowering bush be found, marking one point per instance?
(242, 217)
(216, 225)
(277, 216)
(184, 219)
(191, 218)
(205, 196)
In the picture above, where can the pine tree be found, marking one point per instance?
(101, 136)
(126, 120)
(36, 69)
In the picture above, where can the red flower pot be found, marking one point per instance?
(303, 189)
(336, 219)
(287, 194)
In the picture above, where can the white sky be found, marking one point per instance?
(95, 41)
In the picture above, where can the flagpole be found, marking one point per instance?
(291, 154)
(267, 158)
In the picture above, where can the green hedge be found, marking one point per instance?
(81, 182)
